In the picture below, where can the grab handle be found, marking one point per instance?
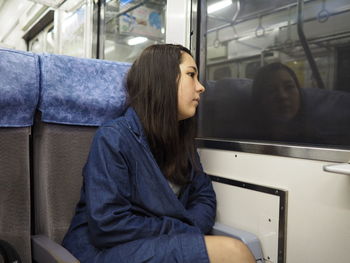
(339, 168)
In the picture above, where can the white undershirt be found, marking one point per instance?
(176, 188)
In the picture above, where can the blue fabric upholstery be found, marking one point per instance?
(19, 87)
(80, 91)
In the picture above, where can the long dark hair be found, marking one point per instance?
(152, 84)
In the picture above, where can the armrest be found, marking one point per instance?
(47, 251)
(247, 238)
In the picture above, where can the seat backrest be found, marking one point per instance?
(77, 96)
(19, 93)
(59, 154)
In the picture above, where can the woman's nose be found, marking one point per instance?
(200, 88)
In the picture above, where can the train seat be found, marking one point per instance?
(19, 93)
(77, 96)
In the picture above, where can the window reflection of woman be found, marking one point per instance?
(277, 99)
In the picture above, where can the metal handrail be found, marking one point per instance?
(304, 44)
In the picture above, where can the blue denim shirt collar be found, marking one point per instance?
(135, 125)
(133, 121)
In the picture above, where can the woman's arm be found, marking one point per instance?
(201, 204)
(108, 189)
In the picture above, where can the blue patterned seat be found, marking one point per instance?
(77, 95)
(19, 94)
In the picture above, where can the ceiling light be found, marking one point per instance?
(218, 6)
(136, 40)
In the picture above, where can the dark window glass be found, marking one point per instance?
(279, 72)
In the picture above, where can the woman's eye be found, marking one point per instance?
(191, 74)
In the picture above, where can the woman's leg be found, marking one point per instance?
(223, 249)
(185, 248)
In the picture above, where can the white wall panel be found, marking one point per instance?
(318, 218)
(178, 22)
(251, 210)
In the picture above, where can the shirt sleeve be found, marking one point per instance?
(201, 204)
(108, 189)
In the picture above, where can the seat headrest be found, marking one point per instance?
(19, 87)
(79, 91)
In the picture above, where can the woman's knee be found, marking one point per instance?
(226, 249)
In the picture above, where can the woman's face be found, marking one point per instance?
(189, 89)
(281, 96)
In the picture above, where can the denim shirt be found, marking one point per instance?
(125, 196)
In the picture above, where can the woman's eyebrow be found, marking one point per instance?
(194, 68)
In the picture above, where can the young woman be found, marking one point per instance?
(145, 197)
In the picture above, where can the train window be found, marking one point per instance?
(35, 45)
(277, 71)
(130, 26)
(72, 18)
(43, 41)
(50, 40)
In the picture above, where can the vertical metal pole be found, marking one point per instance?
(101, 30)
(95, 28)
(58, 31)
(194, 28)
(303, 41)
(201, 51)
(88, 29)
